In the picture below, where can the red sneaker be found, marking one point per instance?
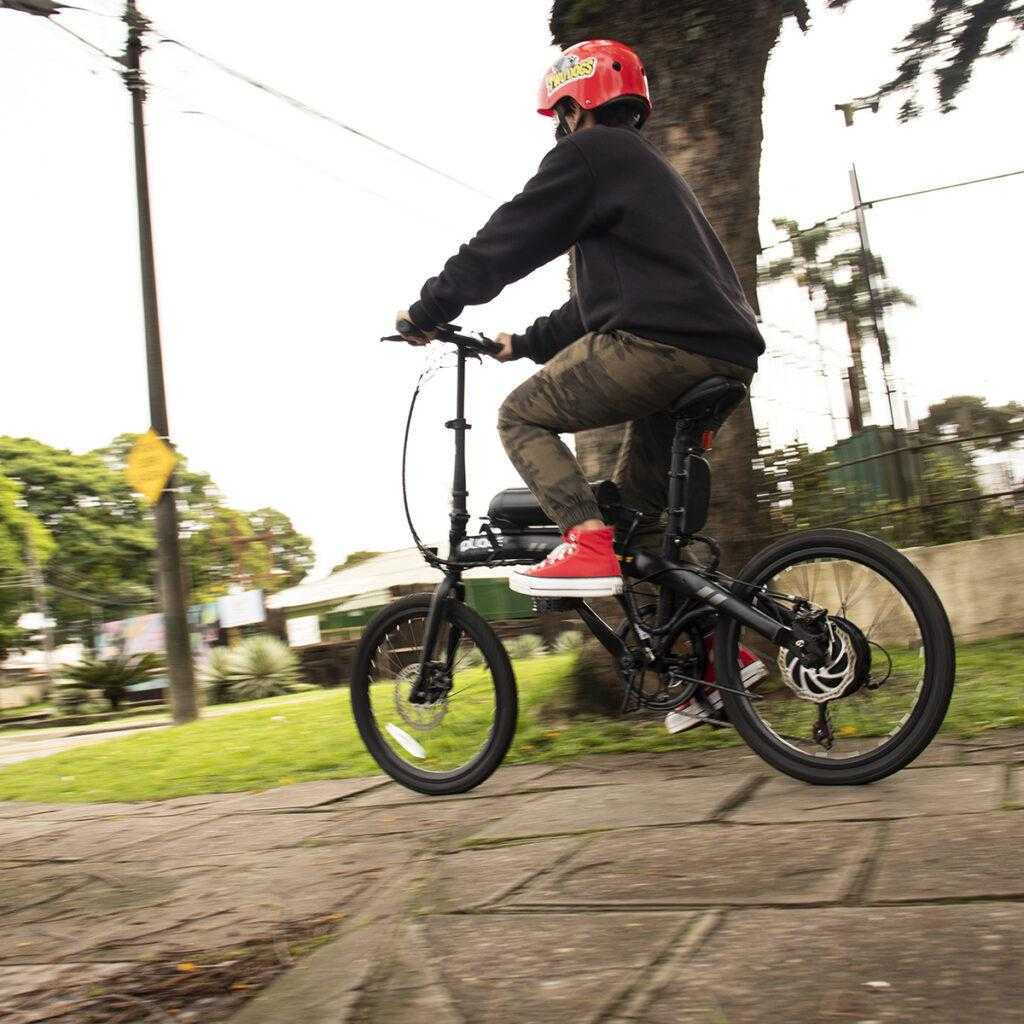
(583, 565)
(693, 712)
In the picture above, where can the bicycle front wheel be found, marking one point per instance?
(447, 732)
(885, 686)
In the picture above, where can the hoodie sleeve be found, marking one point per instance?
(541, 223)
(550, 334)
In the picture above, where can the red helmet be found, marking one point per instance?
(593, 73)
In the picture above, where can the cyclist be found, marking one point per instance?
(658, 308)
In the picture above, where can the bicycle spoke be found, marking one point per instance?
(861, 719)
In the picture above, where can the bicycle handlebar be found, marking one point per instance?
(449, 333)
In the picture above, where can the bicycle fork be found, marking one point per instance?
(450, 587)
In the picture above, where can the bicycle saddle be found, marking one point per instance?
(516, 508)
(709, 403)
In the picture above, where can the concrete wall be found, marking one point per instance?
(980, 582)
(12, 697)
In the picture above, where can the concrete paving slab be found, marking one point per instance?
(603, 768)
(216, 839)
(508, 780)
(472, 878)
(302, 796)
(420, 819)
(952, 858)
(712, 865)
(939, 754)
(1013, 754)
(626, 806)
(931, 791)
(26, 988)
(507, 969)
(934, 964)
(995, 738)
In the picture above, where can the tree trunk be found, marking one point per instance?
(706, 61)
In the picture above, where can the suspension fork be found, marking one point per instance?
(451, 587)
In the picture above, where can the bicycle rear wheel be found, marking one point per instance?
(453, 734)
(886, 688)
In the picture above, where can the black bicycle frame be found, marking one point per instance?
(452, 584)
(699, 592)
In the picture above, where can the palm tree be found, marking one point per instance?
(838, 287)
(113, 676)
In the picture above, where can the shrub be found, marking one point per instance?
(113, 676)
(529, 645)
(568, 641)
(70, 700)
(217, 676)
(469, 657)
(262, 666)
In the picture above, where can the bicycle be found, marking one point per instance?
(858, 655)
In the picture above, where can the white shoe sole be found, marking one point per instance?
(542, 586)
(678, 721)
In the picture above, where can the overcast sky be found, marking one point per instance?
(284, 245)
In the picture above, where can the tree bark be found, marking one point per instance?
(705, 60)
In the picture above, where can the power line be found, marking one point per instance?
(942, 188)
(311, 111)
(289, 153)
(867, 203)
(86, 42)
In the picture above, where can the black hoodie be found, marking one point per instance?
(647, 260)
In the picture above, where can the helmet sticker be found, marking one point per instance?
(569, 68)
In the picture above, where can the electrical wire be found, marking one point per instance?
(428, 212)
(284, 97)
(85, 42)
(868, 203)
(321, 115)
(941, 188)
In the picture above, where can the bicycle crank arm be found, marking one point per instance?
(693, 585)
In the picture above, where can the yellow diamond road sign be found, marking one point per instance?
(149, 466)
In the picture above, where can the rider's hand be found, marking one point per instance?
(420, 338)
(505, 341)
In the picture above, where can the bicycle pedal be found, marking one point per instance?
(543, 605)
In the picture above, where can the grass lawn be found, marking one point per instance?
(313, 737)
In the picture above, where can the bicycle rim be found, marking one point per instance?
(456, 727)
(901, 684)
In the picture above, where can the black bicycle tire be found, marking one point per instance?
(507, 703)
(928, 714)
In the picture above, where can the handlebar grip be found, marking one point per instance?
(407, 327)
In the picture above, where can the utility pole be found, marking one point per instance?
(181, 678)
(848, 110)
(867, 262)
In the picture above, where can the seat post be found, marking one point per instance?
(682, 448)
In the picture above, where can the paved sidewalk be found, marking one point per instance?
(689, 887)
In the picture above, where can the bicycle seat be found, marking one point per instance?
(517, 509)
(709, 403)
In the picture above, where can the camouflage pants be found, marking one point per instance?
(598, 381)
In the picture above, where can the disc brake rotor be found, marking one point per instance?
(420, 716)
(842, 672)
